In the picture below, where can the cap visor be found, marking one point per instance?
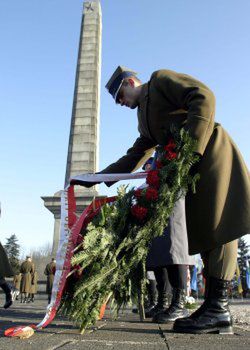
(117, 92)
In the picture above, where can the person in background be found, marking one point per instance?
(17, 284)
(5, 271)
(50, 271)
(33, 288)
(152, 294)
(168, 257)
(26, 269)
(157, 300)
(188, 281)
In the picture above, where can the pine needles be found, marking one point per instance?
(115, 246)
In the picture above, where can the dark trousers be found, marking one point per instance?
(2, 280)
(174, 276)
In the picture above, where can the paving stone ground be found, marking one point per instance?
(125, 333)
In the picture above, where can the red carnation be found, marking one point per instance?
(170, 146)
(151, 194)
(137, 193)
(171, 155)
(153, 178)
(139, 212)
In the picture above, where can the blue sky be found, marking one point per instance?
(39, 41)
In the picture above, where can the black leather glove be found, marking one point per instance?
(110, 183)
(84, 183)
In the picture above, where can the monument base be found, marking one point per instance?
(53, 203)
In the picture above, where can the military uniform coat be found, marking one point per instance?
(172, 247)
(49, 271)
(17, 281)
(219, 211)
(5, 267)
(26, 269)
(34, 278)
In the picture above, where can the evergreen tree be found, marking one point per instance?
(243, 256)
(13, 250)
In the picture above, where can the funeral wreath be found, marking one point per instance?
(109, 262)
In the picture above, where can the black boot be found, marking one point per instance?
(160, 306)
(8, 298)
(175, 310)
(213, 315)
(152, 297)
(149, 309)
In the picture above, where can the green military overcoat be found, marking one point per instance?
(26, 269)
(219, 211)
(17, 281)
(34, 280)
(49, 271)
(5, 267)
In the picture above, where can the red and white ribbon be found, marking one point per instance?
(107, 177)
(70, 228)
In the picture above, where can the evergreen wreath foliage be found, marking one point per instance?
(110, 261)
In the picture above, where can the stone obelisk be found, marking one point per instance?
(83, 149)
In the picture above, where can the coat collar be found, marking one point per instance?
(144, 93)
(143, 126)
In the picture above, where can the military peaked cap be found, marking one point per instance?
(115, 82)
